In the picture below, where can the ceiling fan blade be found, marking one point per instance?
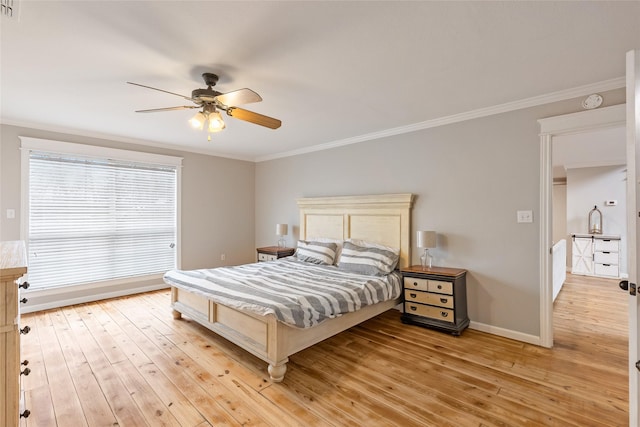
(153, 110)
(238, 97)
(161, 90)
(250, 116)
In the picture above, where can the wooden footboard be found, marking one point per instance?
(382, 219)
(264, 336)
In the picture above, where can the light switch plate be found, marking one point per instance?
(525, 216)
(11, 213)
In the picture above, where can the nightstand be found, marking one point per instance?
(272, 253)
(435, 297)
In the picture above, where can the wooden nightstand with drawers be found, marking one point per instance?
(272, 253)
(435, 297)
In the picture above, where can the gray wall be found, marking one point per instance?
(560, 213)
(470, 179)
(217, 199)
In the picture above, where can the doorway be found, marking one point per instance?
(556, 128)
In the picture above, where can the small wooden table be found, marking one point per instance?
(435, 297)
(272, 253)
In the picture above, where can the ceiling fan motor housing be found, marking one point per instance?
(202, 96)
(210, 79)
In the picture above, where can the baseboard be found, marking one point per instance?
(66, 299)
(69, 299)
(506, 333)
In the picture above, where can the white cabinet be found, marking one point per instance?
(595, 255)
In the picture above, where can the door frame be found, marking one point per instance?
(549, 128)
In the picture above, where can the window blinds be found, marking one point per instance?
(93, 220)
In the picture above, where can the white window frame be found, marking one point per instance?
(29, 144)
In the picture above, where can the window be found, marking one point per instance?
(97, 215)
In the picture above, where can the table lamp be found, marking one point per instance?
(426, 240)
(281, 231)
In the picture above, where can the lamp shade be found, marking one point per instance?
(198, 120)
(282, 229)
(216, 124)
(426, 239)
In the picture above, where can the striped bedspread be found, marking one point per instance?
(298, 293)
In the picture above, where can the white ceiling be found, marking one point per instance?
(332, 71)
(593, 148)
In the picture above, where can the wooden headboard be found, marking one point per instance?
(383, 219)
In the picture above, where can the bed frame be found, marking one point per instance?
(384, 219)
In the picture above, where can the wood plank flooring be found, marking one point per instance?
(127, 362)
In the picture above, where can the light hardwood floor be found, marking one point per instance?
(127, 362)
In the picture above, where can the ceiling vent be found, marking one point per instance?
(9, 8)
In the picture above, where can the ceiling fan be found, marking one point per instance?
(212, 102)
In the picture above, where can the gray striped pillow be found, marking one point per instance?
(316, 252)
(373, 260)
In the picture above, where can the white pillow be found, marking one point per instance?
(316, 252)
(368, 258)
(338, 243)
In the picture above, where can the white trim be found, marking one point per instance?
(109, 137)
(584, 120)
(51, 146)
(606, 85)
(603, 86)
(29, 144)
(506, 333)
(549, 128)
(90, 298)
(70, 289)
(595, 164)
(632, 115)
(546, 243)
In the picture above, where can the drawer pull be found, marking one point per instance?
(25, 414)
(25, 330)
(413, 308)
(24, 285)
(25, 362)
(415, 283)
(443, 300)
(444, 314)
(413, 295)
(606, 252)
(26, 372)
(24, 300)
(439, 286)
(607, 265)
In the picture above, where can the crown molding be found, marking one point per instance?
(535, 101)
(116, 138)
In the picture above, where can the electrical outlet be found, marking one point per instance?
(11, 213)
(525, 216)
(223, 257)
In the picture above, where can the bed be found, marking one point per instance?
(382, 219)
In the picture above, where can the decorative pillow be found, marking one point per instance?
(338, 243)
(368, 258)
(316, 252)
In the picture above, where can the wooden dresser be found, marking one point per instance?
(13, 265)
(435, 297)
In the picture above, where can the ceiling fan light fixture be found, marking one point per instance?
(197, 121)
(210, 101)
(216, 124)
